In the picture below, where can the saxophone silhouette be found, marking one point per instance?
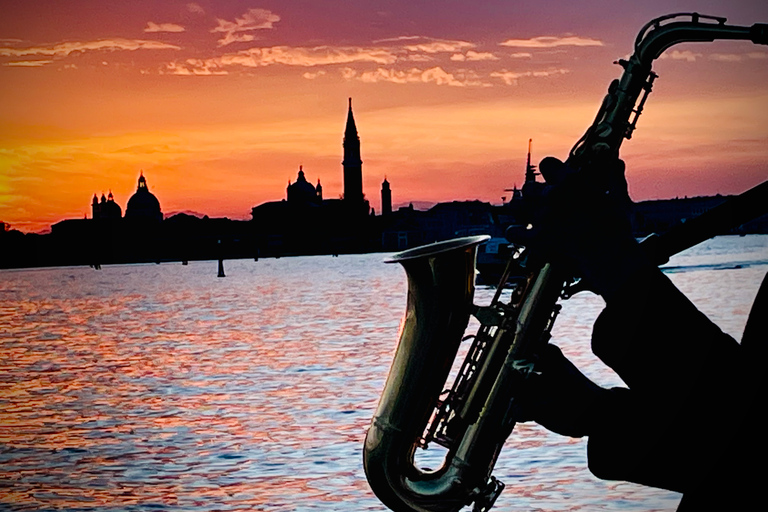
(472, 419)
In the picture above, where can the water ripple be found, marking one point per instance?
(163, 387)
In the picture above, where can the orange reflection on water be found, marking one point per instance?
(164, 386)
(138, 386)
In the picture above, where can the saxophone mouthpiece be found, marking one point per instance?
(758, 33)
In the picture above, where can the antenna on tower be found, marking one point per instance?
(530, 170)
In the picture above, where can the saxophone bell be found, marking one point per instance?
(441, 279)
(473, 418)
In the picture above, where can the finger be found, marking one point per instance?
(617, 185)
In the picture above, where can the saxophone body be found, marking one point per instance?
(473, 417)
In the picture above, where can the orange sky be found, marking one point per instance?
(218, 103)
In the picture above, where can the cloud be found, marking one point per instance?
(417, 57)
(288, 56)
(311, 76)
(686, 55)
(390, 61)
(737, 57)
(195, 8)
(28, 63)
(473, 56)
(398, 38)
(65, 49)
(551, 42)
(330, 55)
(521, 55)
(436, 75)
(439, 46)
(163, 27)
(690, 56)
(196, 67)
(308, 57)
(253, 19)
(509, 77)
(512, 77)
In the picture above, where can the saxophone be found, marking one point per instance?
(473, 418)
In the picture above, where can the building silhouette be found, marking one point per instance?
(386, 198)
(107, 208)
(307, 223)
(352, 163)
(304, 223)
(303, 192)
(143, 205)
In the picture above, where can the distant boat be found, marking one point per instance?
(492, 259)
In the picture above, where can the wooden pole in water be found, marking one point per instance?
(221, 262)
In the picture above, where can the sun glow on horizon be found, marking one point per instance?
(219, 106)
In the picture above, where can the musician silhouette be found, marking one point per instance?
(690, 419)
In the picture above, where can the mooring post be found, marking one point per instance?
(221, 262)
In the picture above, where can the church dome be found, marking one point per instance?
(107, 208)
(143, 204)
(110, 209)
(302, 191)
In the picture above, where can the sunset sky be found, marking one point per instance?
(219, 102)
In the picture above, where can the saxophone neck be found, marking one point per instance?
(661, 33)
(622, 106)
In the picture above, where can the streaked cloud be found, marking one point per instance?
(686, 55)
(387, 58)
(727, 57)
(64, 49)
(473, 56)
(690, 56)
(290, 56)
(316, 56)
(521, 55)
(239, 30)
(398, 38)
(512, 77)
(439, 46)
(435, 75)
(28, 63)
(163, 27)
(195, 67)
(738, 57)
(415, 49)
(551, 42)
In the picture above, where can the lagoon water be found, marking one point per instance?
(163, 387)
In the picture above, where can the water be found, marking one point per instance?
(163, 387)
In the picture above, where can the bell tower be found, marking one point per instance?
(386, 197)
(353, 165)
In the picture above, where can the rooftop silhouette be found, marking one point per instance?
(303, 222)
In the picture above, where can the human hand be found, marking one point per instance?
(559, 397)
(580, 220)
